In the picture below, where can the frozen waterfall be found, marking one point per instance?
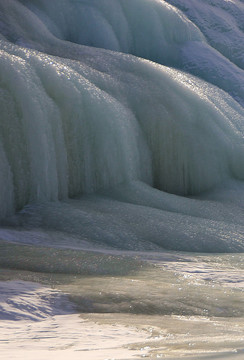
(129, 100)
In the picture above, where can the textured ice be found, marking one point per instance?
(142, 114)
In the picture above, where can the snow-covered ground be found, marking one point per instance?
(40, 323)
(37, 322)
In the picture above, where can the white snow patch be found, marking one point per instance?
(21, 300)
(59, 333)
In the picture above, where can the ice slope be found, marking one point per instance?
(151, 29)
(221, 22)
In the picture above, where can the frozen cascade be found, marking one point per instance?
(89, 104)
(169, 37)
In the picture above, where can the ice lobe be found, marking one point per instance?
(210, 46)
(100, 122)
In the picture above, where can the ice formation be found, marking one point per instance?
(130, 101)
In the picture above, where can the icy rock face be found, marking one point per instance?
(83, 108)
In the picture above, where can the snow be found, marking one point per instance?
(39, 323)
